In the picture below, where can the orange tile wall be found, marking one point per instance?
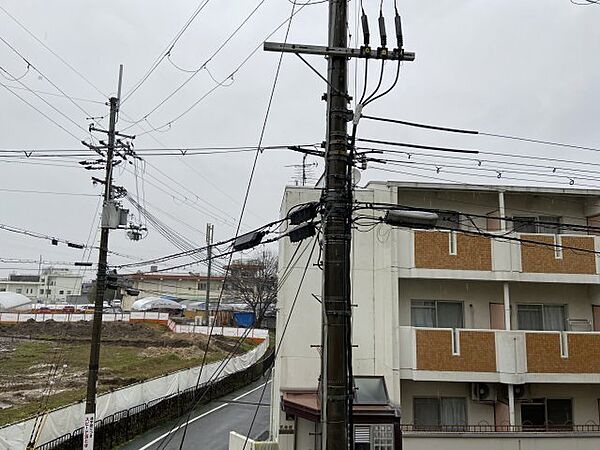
(477, 351)
(432, 251)
(541, 259)
(543, 353)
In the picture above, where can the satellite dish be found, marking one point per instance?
(355, 176)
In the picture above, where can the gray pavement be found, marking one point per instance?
(209, 426)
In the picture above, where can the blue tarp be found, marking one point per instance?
(244, 319)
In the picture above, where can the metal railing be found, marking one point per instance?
(487, 428)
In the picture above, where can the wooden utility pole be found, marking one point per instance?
(336, 362)
(209, 240)
(92, 381)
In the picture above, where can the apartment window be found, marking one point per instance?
(436, 314)
(69, 292)
(550, 224)
(550, 414)
(61, 292)
(537, 224)
(437, 412)
(19, 291)
(542, 317)
(374, 437)
(2, 289)
(202, 286)
(41, 291)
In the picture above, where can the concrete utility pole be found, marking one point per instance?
(209, 240)
(92, 382)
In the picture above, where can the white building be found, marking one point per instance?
(51, 286)
(464, 340)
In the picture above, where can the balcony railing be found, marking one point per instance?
(487, 428)
(498, 356)
(534, 255)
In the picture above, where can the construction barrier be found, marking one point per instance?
(174, 392)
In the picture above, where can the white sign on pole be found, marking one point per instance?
(88, 431)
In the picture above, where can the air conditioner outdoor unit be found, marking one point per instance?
(483, 392)
(520, 390)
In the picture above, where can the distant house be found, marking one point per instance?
(52, 285)
(178, 286)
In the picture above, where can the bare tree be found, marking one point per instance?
(254, 281)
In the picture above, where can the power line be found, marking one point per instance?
(204, 96)
(41, 112)
(569, 182)
(25, 191)
(195, 72)
(423, 147)
(39, 41)
(28, 62)
(505, 236)
(483, 133)
(246, 195)
(54, 94)
(166, 151)
(169, 49)
(498, 172)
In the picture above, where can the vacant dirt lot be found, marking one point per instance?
(44, 365)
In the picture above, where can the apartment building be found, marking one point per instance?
(483, 333)
(180, 286)
(50, 286)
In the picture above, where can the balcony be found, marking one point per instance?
(443, 254)
(516, 357)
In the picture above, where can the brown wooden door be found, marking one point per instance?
(497, 316)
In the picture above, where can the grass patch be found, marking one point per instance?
(24, 371)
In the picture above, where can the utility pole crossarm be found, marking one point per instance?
(363, 52)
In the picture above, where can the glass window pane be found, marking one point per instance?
(449, 315)
(552, 226)
(426, 412)
(422, 314)
(523, 224)
(554, 317)
(370, 391)
(560, 412)
(454, 411)
(530, 317)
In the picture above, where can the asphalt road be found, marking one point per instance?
(209, 426)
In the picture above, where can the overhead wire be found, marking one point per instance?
(41, 112)
(482, 133)
(208, 383)
(249, 185)
(196, 71)
(43, 75)
(60, 58)
(168, 50)
(54, 94)
(204, 96)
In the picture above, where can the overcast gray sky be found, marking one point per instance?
(527, 68)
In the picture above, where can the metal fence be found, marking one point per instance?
(488, 428)
(124, 425)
